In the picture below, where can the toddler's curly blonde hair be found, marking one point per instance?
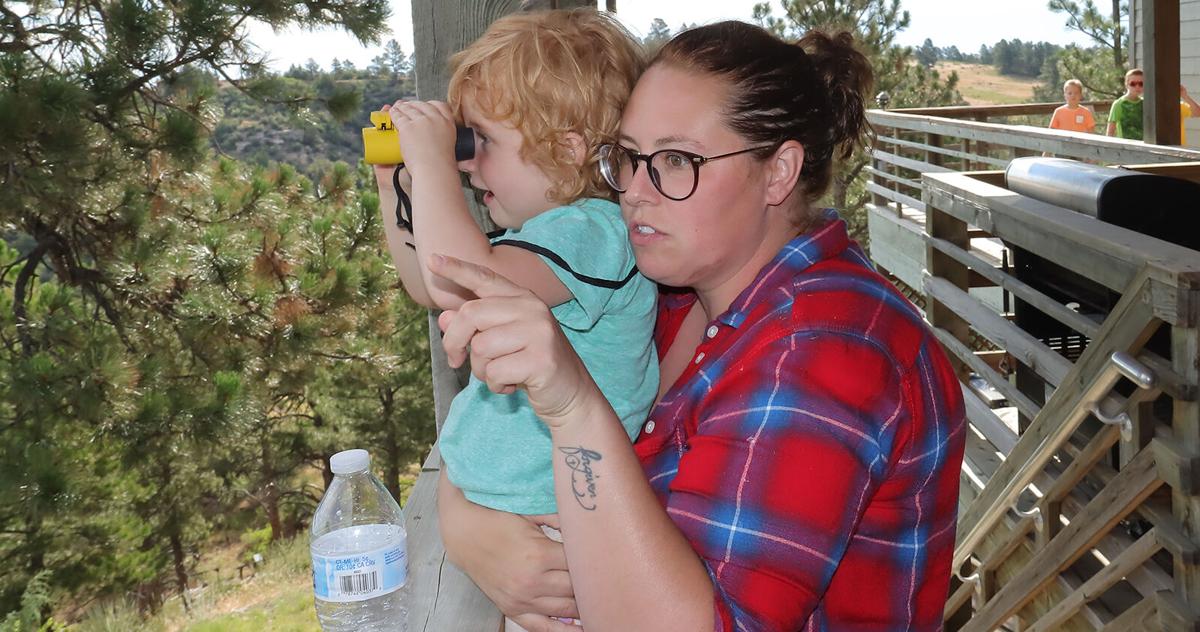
(548, 73)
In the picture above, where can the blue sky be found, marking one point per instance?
(963, 23)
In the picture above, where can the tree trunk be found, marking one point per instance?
(1118, 62)
(326, 472)
(177, 556)
(270, 492)
(391, 450)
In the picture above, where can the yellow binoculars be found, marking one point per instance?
(381, 142)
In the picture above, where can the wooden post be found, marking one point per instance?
(441, 29)
(1160, 52)
(933, 157)
(877, 164)
(942, 225)
(981, 148)
(1185, 356)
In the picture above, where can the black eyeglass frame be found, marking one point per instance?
(696, 160)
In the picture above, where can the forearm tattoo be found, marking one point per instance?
(583, 479)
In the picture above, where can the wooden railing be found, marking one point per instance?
(1080, 497)
(1062, 523)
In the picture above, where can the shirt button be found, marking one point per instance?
(649, 426)
(712, 331)
(699, 357)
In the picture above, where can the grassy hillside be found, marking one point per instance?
(260, 134)
(277, 595)
(982, 85)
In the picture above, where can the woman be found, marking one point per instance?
(800, 467)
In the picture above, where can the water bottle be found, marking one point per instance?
(358, 551)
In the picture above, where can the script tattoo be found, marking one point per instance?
(583, 479)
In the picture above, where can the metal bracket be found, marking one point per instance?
(1121, 419)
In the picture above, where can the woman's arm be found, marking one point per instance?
(441, 220)
(627, 550)
(521, 570)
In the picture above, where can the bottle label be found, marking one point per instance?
(360, 577)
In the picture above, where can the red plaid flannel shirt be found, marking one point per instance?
(811, 450)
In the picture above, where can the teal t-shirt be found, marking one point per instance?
(495, 448)
(1127, 114)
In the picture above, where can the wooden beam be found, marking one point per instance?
(981, 368)
(1133, 484)
(1028, 350)
(1140, 617)
(1160, 52)
(938, 149)
(1126, 562)
(440, 596)
(1105, 253)
(1089, 380)
(1185, 426)
(989, 111)
(1059, 142)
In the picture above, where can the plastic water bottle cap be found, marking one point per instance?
(349, 461)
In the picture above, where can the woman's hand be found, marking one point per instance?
(514, 342)
(520, 569)
(427, 133)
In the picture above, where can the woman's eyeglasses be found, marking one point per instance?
(673, 172)
(1136, 84)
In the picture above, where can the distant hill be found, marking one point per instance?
(982, 84)
(256, 133)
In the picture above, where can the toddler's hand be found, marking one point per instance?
(427, 133)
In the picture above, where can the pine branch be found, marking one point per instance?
(21, 289)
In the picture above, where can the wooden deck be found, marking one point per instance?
(1083, 514)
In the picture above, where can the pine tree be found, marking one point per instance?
(659, 34)
(161, 315)
(927, 54)
(875, 25)
(1101, 67)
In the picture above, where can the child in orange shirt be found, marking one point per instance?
(1073, 116)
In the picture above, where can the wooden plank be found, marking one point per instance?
(896, 196)
(958, 599)
(1174, 614)
(1130, 487)
(943, 151)
(915, 184)
(1055, 492)
(990, 111)
(897, 245)
(908, 163)
(1184, 170)
(441, 597)
(1080, 145)
(981, 368)
(1090, 379)
(1149, 579)
(1185, 426)
(1103, 252)
(990, 427)
(1025, 348)
(1047, 305)
(1126, 562)
(1144, 613)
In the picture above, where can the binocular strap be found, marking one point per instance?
(404, 214)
